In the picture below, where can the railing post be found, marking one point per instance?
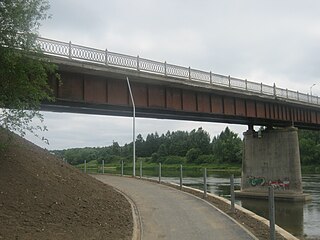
(246, 82)
(85, 166)
(298, 95)
(229, 80)
(106, 57)
(138, 63)
(70, 50)
(121, 167)
(140, 168)
(232, 193)
(181, 175)
(159, 172)
(210, 77)
(261, 87)
(189, 73)
(205, 183)
(271, 214)
(165, 68)
(308, 97)
(102, 166)
(274, 90)
(287, 93)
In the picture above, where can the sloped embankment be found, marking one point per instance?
(43, 198)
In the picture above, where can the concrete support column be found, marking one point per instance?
(272, 158)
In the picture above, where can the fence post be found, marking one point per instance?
(205, 183)
(102, 166)
(85, 166)
(271, 214)
(274, 90)
(287, 93)
(121, 167)
(189, 73)
(138, 63)
(229, 80)
(210, 77)
(159, 172)
(232, 193)
(70, 50)
(140, 168)
(181, 175)
(246, 82)
(261, 87)
(298, 95)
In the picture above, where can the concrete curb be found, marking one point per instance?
(137, 224)
(280, 230)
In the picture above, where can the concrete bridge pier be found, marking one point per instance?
(271, 158)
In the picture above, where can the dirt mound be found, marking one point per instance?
(43, 198)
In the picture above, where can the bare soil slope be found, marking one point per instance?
(43, 198)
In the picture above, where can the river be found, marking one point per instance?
(300, 219)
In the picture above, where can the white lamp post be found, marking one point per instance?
(311, 88)
(133, 130)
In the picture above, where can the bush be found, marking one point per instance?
(174, 160)
(206, 159)
(192, 155)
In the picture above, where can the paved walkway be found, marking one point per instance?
(167, 213)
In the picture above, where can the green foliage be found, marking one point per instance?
(227, 147)
(309, 142)
(174, 160)
(192, 155)
(23, 77)
(209, 158)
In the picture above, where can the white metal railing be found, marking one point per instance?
(77, 52)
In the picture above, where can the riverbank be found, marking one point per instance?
(115, 168)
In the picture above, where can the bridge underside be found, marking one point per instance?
(93, 92)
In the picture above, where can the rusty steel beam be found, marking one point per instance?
(95, 93)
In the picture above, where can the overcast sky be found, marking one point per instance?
(263, 41)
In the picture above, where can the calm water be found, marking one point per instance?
(300, 219)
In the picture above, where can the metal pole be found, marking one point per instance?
(205, 183)
(102, 166)
(159, 172)
(121, 167)
(232, 193)
(85, 166)
(271, 214)
(181, 177)
(134, 130)
(140, 168)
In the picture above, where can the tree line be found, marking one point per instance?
(180, 147)
(175, 147)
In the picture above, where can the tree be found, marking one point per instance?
(193, 155)
(309, 142)
(23, 69)
(200, 139)
(227, 147)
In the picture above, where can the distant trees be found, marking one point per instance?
(173, 147)
(309, 147)
(187, 147)
(227, 147)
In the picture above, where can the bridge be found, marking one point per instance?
(94, 82)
